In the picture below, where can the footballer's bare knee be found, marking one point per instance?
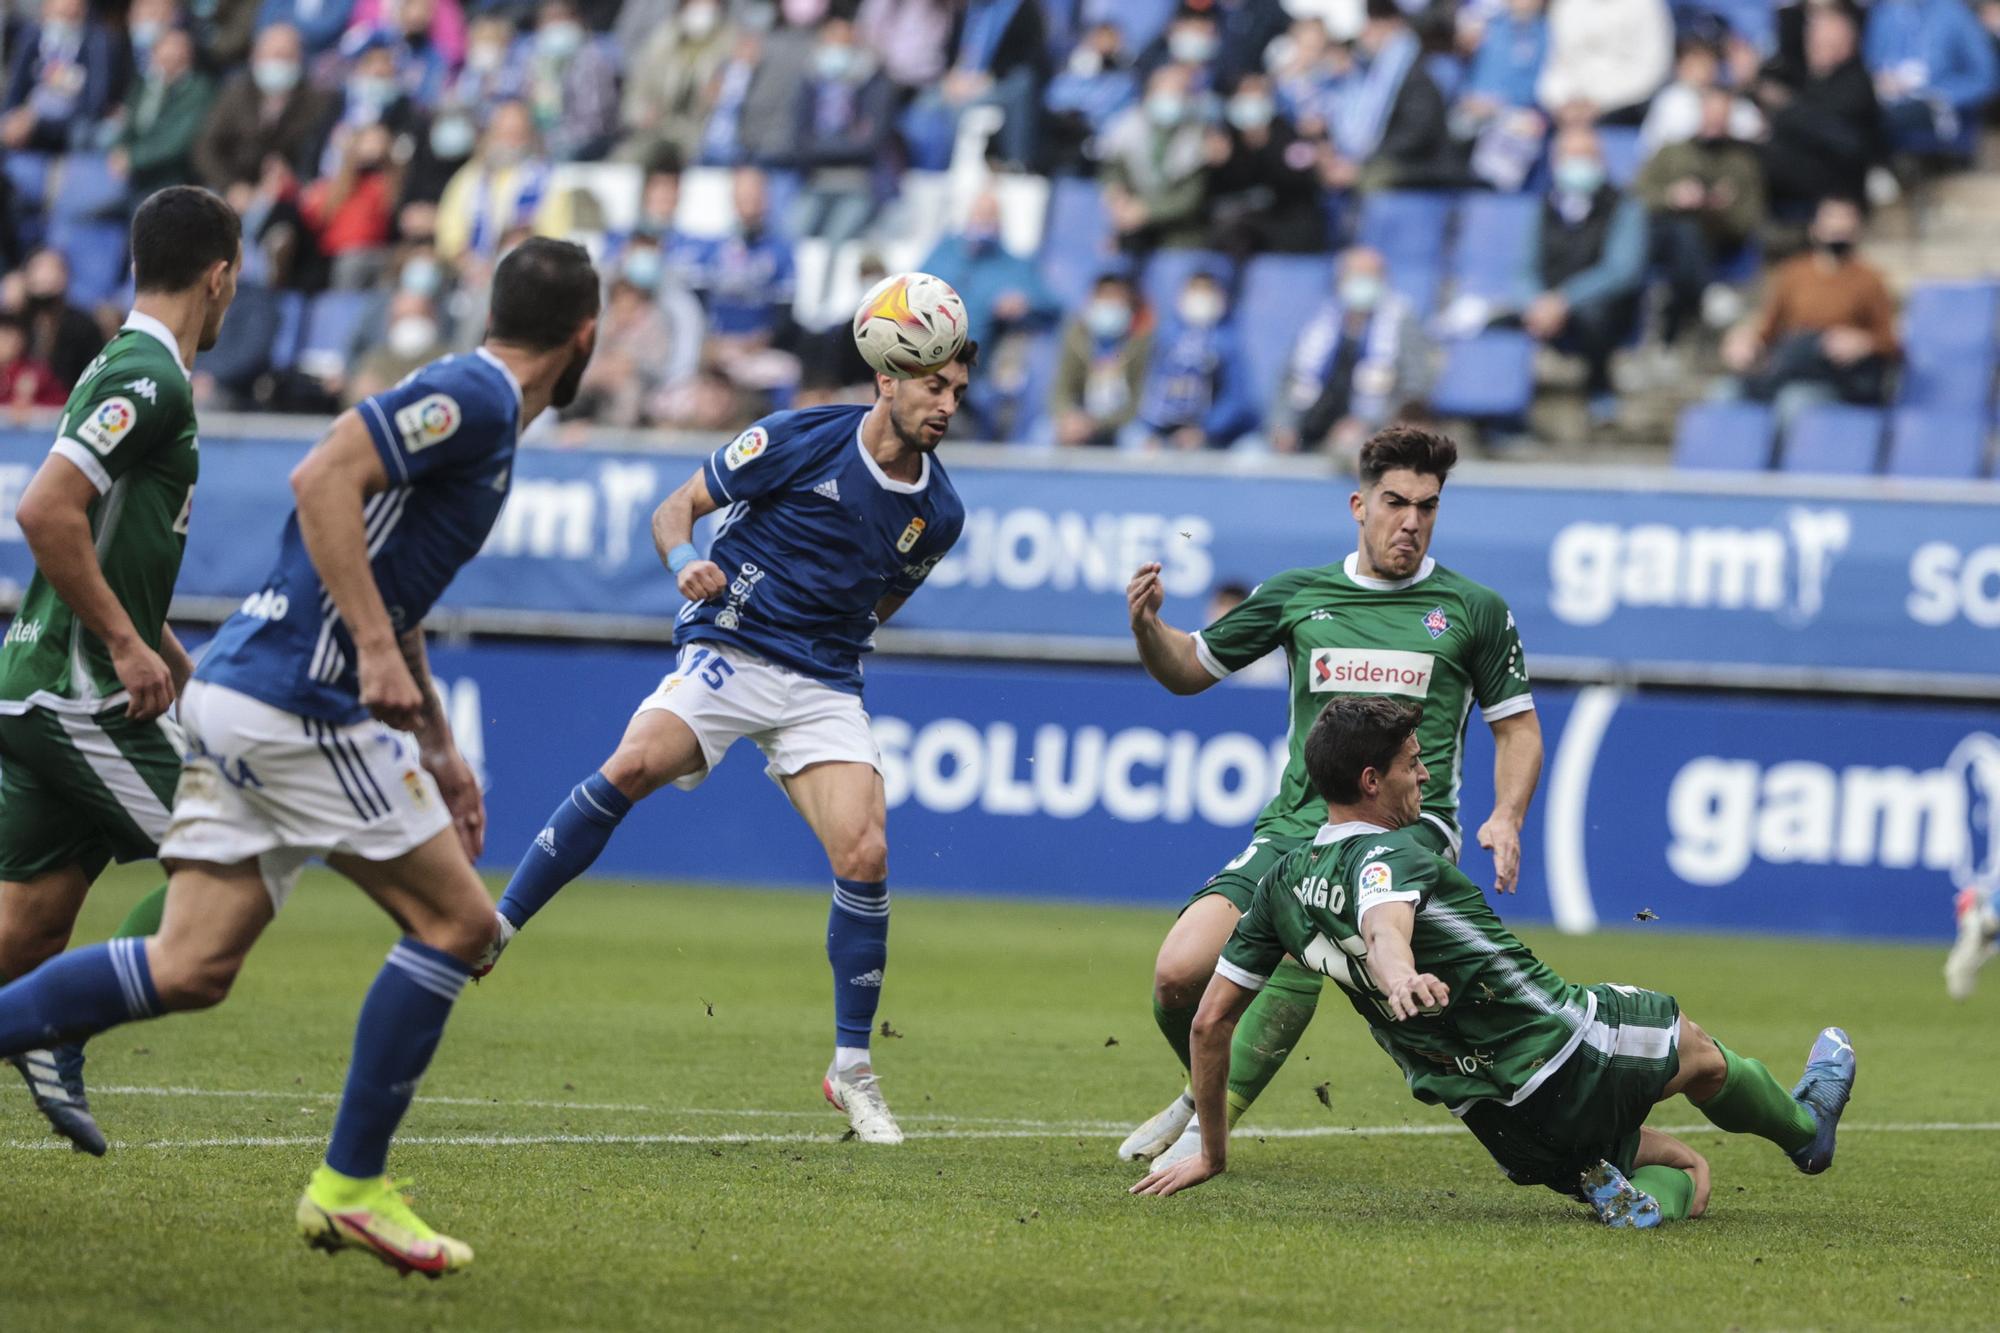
(657, 748)
(464, 930)
(36, 917)
(187, 976)
(861, 856)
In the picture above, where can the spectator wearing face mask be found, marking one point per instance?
(145, 23)
(427, 38)
(1003, 292)
(912, 37)
(505, 185)
(61, 81)
(1263, 179)
(1825, 122)
(1191, 40)
(1361, 355)
(1101, 371)
(487, 78)
(1388, 124)
(1082, 101)
(1827, 328)
(658, 221)
(570, 81)
(413, 338)
(1706, 200)
(371, 93)
(1155, 170)
(670, 87)
(1935, 71)
(844, 123)
(441, 143)
(636, 358)
(60, 336)
(1587, 260)
(319, 23)
(264, 110)
(349, 211)
(1196, 395)
(155, 146)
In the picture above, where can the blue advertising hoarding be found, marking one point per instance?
(1837, 818)
(1822, 587)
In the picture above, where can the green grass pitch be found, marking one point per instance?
(625, 1122)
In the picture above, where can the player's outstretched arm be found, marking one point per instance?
(438, 751)
(673, 538)
(1222, 1007)
(1168, 654)
(1517, 768)
(1388, 927)
(54, 517)
(329, 486)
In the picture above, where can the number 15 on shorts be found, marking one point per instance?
(710, 668)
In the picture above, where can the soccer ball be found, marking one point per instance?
(909, 324)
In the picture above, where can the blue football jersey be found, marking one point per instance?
(812, 537)
(446, 436)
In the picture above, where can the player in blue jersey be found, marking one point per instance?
(835, 517)
(300, 721)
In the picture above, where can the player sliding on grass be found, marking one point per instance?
(837, 516)
(296, 723)
(1556, 1080)
(1387, 620)
(90, 666)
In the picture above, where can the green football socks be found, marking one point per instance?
(1271, 1027)
(1752, 1102)
(1671, 1187)
(144, 918)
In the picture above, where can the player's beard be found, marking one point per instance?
(211, 328)
(912, 436)
(565, 390)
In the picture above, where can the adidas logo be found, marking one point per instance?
(546, 840)
(829, 488)
(872, 977)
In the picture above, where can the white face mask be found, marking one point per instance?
(1200, 307)
(699, 20)
(485, 57)
(412, 336)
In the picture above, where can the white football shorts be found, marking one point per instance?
(724, 692)
(258, 782)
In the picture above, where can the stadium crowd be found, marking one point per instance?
(1107, 182)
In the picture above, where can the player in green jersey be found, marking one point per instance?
(1556, 1080)
(89, 667)
(1387, 619)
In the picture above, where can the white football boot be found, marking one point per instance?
(1158, 1134)
(502, 937)
(1978, 930)
(859, 1094)
(1186, 1146)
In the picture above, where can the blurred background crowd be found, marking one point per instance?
(1178, 224)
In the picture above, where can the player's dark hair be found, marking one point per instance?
(1416, 448)
(1351, 735)
(968, 355)
(543, 292)
(177, 234)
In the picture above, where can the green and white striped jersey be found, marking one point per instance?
(128, 426)
(1511, 1021)
(1437, 638)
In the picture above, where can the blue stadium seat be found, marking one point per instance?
(1623, 153)
(1407, 226)
(1076, 243)
(291, 329)
(86, 188)
(1833, 438)
(1281, 292)
(243, 351)
(1724, 437)
(1928, 443)
(330, 325)
(95, 250)
(1492, 248)
(1031, 408)
(1168, 271)
(1951, 348)
(1490, 377)
(1418, 284)
(1958, 314)
(28, 173)
(1948, 379)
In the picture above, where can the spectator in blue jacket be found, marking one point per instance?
(1935, 70)
(1508, 60)
(319, 22)
(1000, 60)
(1096, 84)
(569, 78)
(843, 121)
(1002, 290)
(1587, 260)
(1196, 393)
(62, 80)
(745, 279)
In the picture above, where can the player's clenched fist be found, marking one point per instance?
(702, 580)
(388, 691)
(1144, 594)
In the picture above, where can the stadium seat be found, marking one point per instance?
(291, 330)
(615, 186)
(1407, 226)
(243, 351)
(1490, 377)
(705, 210)
(330, 327)
(28, 173)
(1078, 240)
(95, 249)
(84, 187)
(1168, 271)
(1928, 443)
(1833, 438)
(1724, 437)
(1623, 153)
(1282, 291)
(1958, 314)
(1491, 252)
(1950, 346)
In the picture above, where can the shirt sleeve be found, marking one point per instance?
(1499, 666)
(430, 423)
(1250, 630)
(754, 464)
(1253, 949)
(117, 424)
(1403, 872)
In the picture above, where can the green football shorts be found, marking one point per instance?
(1237, 881)
(77, 790)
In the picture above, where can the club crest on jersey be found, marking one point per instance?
(745, 447)
(108, 423)
(1436, 623)
(430, 420)
(414, 781)
(909, 537)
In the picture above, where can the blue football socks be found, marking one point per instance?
(857, 945)
(400, 1024)
(565, 848)
(77, 995)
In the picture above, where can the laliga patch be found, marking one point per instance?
(430, 420)
(909, 537)
(108, 423)
(1375, 878)
(1436, 623)
(745, 447)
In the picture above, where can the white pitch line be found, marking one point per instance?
(52, 1144)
